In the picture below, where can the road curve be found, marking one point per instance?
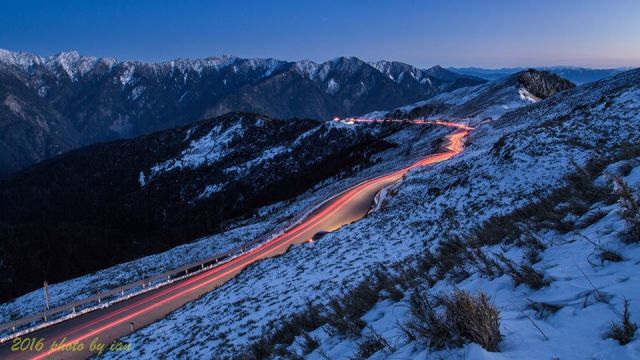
(106, 325)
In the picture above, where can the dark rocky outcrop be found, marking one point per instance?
(542, 84)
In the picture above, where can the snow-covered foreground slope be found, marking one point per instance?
(570, 318)
(508, 164)
(577, 237)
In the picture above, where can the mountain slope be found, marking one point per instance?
(488, 100)
(576, 75)
(75, 100)
(439, 206)
(128, 198)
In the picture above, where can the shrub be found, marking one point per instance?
(345, 311)
(625, 330)
(629, 207)
(388, 283)
(485, 264)
(284, 333)
(451, 255)
(309, 343)
(523, 274)
(609, 255)
(463, 318)
(371, 343)
(474, 318)
(426, 324)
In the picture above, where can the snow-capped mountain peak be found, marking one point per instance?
(114, 99)
(20, 59)
(72, 63)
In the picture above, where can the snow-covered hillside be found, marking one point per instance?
(547, 268)
(572, 247)
(264, 221)
(487, 101)
(509, 163)
(590, 270)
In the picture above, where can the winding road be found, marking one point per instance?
(106, 325)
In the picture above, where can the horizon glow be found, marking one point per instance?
(464, 33)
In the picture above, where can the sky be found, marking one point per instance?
(487, 33)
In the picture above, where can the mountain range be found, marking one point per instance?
(135, 197)
(487, 101)
(50, 105)
(577, 75)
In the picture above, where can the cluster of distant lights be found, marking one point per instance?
(345, 120)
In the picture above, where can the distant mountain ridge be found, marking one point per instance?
(489, 100)
(577, 75)
(49, 105)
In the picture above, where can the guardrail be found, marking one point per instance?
(177, 273)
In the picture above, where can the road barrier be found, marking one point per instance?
(105, 298)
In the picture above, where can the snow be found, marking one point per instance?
(382, 66)
(210, 190)
(333, 87)
(20, 59)
(475, 185)
(475, 103)
(127, 76)
(307, 68)
(72, 63)
(209, 148)
(268, 155)
(184, 66)
(323, 71)
(137, 92)
(363, 88)
(86, 286)
(577, 330)
(386, 68)
(525, 95)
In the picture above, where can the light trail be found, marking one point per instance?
(148, 307)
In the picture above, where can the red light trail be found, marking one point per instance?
(113, 322)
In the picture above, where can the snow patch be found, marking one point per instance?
(208, 148)
(333, 87)
(127, 76)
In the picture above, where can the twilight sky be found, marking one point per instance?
(488, 33)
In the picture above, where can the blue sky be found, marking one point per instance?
(450, 33)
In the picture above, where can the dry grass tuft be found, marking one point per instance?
(308, 343)
(523, 274)
(371, 343)
(629, 207)
(625, 330)
(464, 318)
